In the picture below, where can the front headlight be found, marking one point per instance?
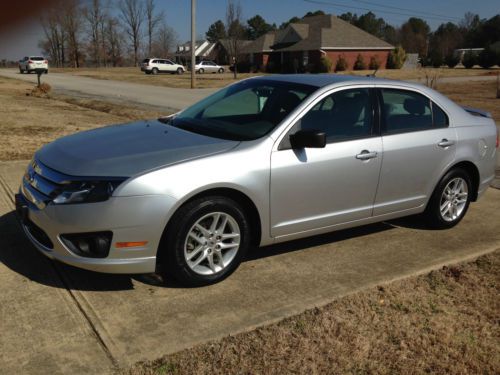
(87, 191)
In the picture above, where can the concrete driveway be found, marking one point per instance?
(58, 319)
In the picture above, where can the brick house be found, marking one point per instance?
(300, 45)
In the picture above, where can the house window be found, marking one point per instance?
(305, 58)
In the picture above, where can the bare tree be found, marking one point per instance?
(235, 31)
(132, 14)
(114, 41)
(94, 16)
(54, 41)
(72, 25)
(153, 21)
(165, 41)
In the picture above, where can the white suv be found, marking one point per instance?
(155, 65)
(30, 63)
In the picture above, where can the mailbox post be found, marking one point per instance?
(39, 72)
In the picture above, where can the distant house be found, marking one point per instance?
(204, 50)
(303, 43)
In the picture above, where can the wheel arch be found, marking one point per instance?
(248, 206)
(471, 169)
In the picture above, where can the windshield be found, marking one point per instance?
(244, 111)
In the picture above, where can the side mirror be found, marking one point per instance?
(308, 139)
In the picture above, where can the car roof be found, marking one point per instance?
(321, 80)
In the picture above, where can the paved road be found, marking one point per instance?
(165, 97)
(168, 98)
(57, 319)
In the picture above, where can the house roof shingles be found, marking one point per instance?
(315, 33)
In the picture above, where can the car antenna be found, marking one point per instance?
(374, 74)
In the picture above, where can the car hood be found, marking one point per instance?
(128, 149)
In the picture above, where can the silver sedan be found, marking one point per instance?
(265, 160)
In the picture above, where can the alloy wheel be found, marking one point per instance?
(454, 199)
(212, 243)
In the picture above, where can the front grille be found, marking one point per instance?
(42, 184)
(38, 234)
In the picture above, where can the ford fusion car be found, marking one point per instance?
(265, 160)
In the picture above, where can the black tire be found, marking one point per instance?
(46, 71)
(201, 71)
(154, 71)
(21, 71)
(171, 252)
(221, 70)
(433, 215)
(180, 71)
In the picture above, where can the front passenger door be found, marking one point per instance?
(314, 188)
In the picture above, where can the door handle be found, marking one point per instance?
(365, 155)
(445, 143)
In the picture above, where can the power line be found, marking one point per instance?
(406, 9)
(343, 6)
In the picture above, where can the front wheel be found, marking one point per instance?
(221, 70)
(206, 242)
(201, 71)
(180, 71)
(450, 200)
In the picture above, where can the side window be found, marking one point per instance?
(342, 116)
(405, 111)
(169, 62)
(156, 61)
(439, 118)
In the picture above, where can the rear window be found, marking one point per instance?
(145, 60)
(37, 58)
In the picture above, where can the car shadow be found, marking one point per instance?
(18, 254)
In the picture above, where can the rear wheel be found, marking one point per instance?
(154, 71)
(450, 200)
(206, 241)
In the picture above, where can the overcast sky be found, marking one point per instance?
(22, 39)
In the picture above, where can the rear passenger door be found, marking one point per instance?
(418, 146)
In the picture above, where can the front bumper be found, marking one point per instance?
(130, 219)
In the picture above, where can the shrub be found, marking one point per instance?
(469, 59)
(396, 58)
(341, 64)
(374, 62)
(436, 60)
(451, 60)
(324, 65)
(359, 64)
(487, 58)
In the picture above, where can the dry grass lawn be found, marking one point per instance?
(480, 95)
(27, 122)
(220, 80)
(445, 322)
(207, 80)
